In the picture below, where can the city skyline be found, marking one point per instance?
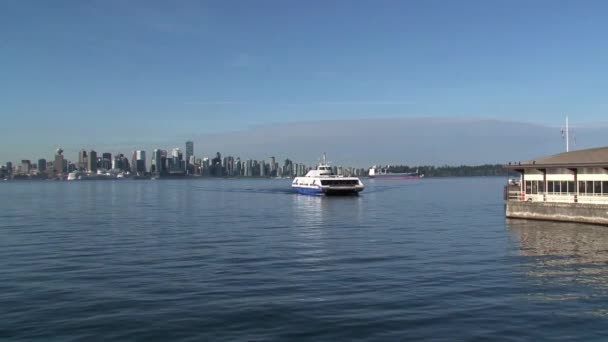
(98, 72)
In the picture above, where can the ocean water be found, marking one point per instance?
(195, 260)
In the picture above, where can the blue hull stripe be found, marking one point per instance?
(308, 191)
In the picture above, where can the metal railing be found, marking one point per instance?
(511, 194)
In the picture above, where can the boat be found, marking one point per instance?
(74, 175)
(322, 181)
(384, 173)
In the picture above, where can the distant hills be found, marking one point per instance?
(403, 141)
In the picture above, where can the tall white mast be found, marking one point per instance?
(567, 136)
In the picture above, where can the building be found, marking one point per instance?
(569, 186)
(139, 162)
(92, 162)
(58, 163)
(189, 150)
(26, 166)
(9, 169)
(157, 167)
(42, 165)
(82, 159)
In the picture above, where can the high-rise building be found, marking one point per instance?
(42, 165)
(177, 162)
(139, 158)
(157, 166)
(106, 155)
(189, 150)
(26, 165)
(58, 162)
(9, 168)
(82, 159)
(92, 162)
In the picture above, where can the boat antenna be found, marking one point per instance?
(324, 158)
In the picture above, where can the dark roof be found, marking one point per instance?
(592, 157)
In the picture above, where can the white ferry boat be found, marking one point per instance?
(322, 181)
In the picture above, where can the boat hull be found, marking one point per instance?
(396, 176)
(316, 191)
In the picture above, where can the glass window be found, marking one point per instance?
(564, 187)
(605, 187)
(528, 187)
(597, 187)
(571, 188)
(541, 187)
(550, 187)
(534, 187)
(589, 187)
(581, 187)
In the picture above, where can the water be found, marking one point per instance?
(248, 260)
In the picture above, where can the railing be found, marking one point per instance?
(518, 196)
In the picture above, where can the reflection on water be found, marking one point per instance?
(316, 220)
(565, 261)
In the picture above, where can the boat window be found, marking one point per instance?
(550, 187)
(604, 187)
(528, 187)
(581, 187)
(597, 187)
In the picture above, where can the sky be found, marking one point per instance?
(133, 74)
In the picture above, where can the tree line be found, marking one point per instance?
(453, 171)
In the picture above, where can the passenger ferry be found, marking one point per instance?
(323, 181)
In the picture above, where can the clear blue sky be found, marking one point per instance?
(132, 72)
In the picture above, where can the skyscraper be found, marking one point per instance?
(58, 162)
(42, 165)
(82, 159)
(189, 150)
(140, 162)
(92, 162)
(157, 162)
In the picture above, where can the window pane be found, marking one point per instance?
(550, 187)
(541, 187)
(534, 187)
(564, 186)
(605, 187)
(589, 187)
(528, 187)
(571, 188)
(581, 187)
(597, 187)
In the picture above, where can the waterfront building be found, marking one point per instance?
(26, 165)
(157, 166)
(58, 163)
(82, 159)
(92, 162)
(206, 167)
(570, 186)
(216, 166)
(139, 162)
(42, 165)
(189, 150)
(9, 168)
(164, 162)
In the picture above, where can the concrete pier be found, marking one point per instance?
(567, 212)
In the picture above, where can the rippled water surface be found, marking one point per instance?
(248, 260)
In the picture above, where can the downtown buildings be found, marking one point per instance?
(163, 164)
